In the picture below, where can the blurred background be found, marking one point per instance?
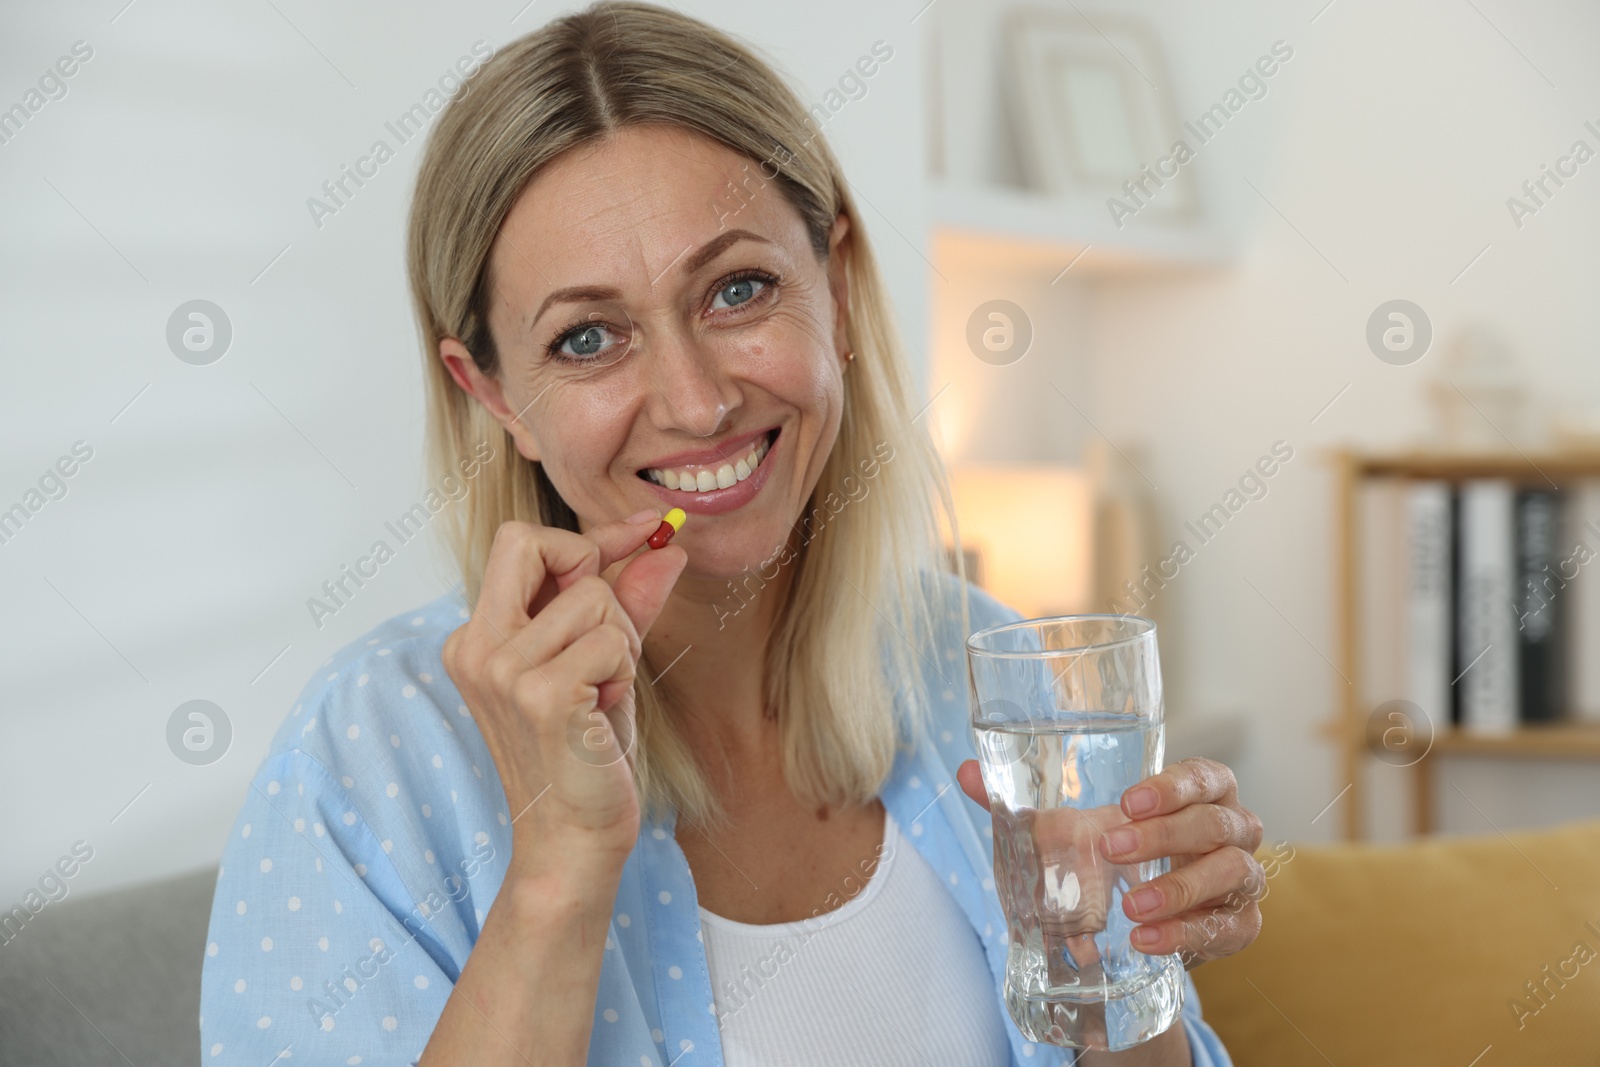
(1363, 287)
(1152, 347)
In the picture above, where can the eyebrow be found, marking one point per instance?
(716, 246)
(713, 248)
(576, 294)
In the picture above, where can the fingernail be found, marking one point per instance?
(1145, 935)
(1141, 800)
(647, 513)
(1120, 842)
(1145, 899)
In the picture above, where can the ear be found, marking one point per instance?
(487, 391)
(839, 284)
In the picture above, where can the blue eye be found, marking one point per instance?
(738, 292)
(582, 343)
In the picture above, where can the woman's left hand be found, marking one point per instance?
(1205, 906)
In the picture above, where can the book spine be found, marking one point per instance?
(1457, 664)
(1581, 568)
(1487, 620)
(1539, 606)
(1428, 600)
(1382, 593)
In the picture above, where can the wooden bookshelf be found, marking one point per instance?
(1553, 741)
(1351, 732)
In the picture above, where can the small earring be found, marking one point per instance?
(850, 356)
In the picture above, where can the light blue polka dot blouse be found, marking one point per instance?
(375, 836)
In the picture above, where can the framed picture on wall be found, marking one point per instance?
(1092, 108)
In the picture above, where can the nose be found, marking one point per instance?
(692, 390)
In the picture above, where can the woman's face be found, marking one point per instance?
(667, 338)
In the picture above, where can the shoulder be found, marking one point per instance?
(384, 689)
(374, 830)
(382, 735)
(404, 649)
(985, 611)
(958, 609)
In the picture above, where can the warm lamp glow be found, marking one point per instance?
(1033, 528)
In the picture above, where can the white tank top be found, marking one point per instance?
(895, 975)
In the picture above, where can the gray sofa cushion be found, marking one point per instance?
(108, 979)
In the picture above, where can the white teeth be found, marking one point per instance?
(704, 480)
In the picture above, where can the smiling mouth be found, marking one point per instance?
(703, 478)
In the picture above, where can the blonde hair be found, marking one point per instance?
(863, 594)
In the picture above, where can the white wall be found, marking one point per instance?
(1390, 142)
(179, 563)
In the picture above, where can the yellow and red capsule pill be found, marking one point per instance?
(671, 524)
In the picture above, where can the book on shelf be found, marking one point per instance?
(1539, 605)
(1457, 664)
(1580, 568)
(1431, 647)
(1481, 600)
(1486, 628)
(1382, 591)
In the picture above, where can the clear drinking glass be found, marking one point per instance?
(1069, 716)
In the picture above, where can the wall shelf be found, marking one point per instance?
(1012, 228)
(1531, 467)
(1557, 740)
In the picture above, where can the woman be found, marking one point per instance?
(689, 805)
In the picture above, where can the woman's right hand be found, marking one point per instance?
(546, 661)
(546, 666)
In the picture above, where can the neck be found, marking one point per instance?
(708, 648)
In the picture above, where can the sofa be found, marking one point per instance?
(1476, 951)
(112, 978)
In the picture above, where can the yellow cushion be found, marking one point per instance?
(1420, 953)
